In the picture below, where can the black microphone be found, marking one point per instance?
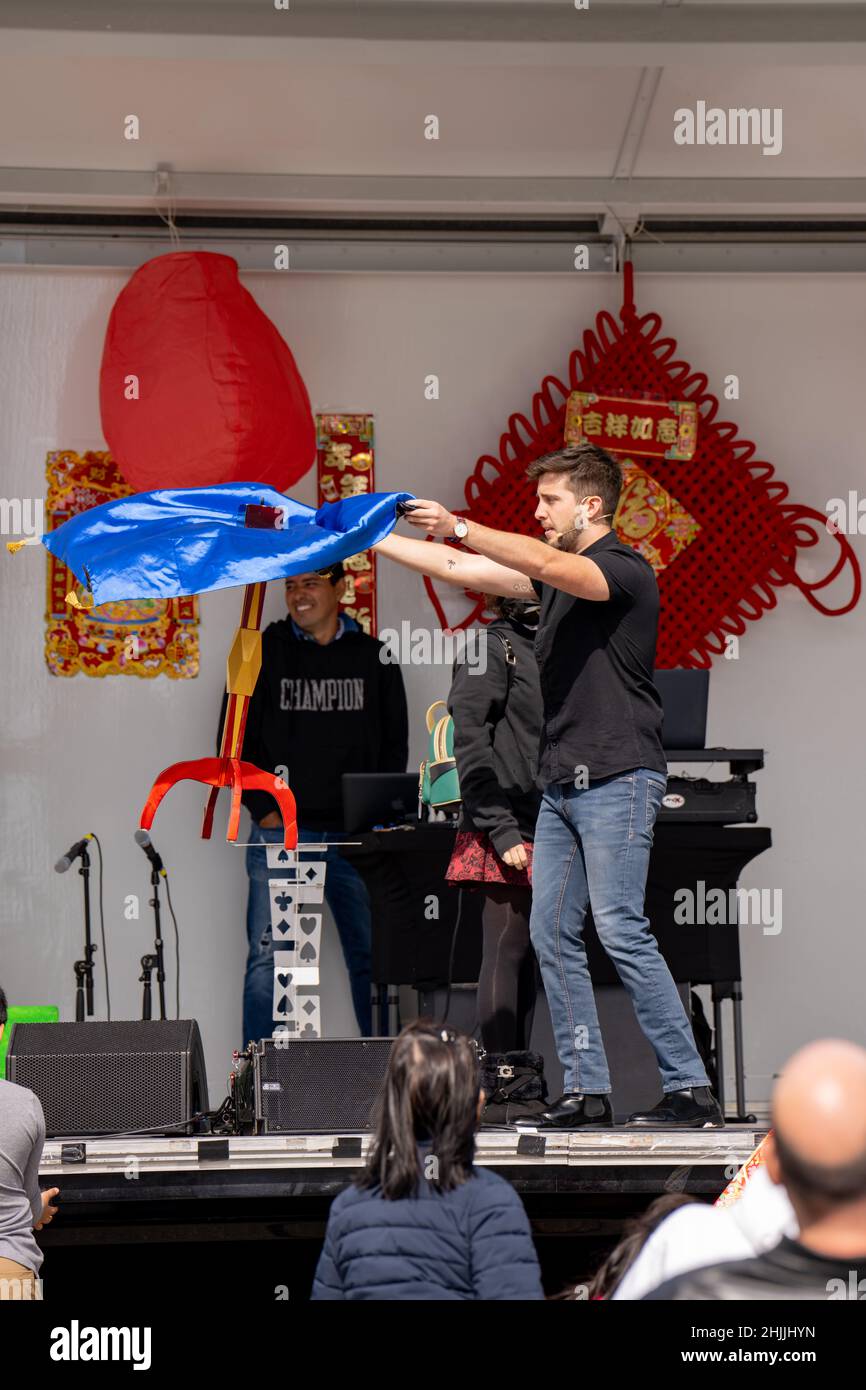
(142, 838)
(71, 855)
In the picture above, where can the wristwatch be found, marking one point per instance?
(461, 529)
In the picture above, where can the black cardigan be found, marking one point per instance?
(496, 738)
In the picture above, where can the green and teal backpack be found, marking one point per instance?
(438, 783)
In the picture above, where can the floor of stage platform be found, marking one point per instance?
(320, 1164)
(141, 1209)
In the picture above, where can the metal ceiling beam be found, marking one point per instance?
(476, 256)
(333, 255)
(413, 194)
(432, 31)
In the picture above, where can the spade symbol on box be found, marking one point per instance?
(285, 1005)
(308, 951)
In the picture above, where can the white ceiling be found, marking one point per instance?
(291, 112)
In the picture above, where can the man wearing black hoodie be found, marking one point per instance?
(324, 704)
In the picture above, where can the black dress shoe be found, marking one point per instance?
(576, 1110)
(694, 1108)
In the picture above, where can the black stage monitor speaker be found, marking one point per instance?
(110, 1078)
(326, 1085)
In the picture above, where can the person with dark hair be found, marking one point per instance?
(324, 704)
(817, 1152)
(496, 708)
(23, 1207)
(636, 1234)
(701, 1233)
(423, 1221)
(602, 768)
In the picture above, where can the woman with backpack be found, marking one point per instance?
(496, 708)
(422, 1221)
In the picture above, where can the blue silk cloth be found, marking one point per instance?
(189, 540)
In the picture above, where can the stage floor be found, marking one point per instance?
(206, 1208)
(122, 1169)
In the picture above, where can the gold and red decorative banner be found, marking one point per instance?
(632, 424)
(344, 454)
(139, 637)
(736, 1187)
(650, 519)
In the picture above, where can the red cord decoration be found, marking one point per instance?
(749, 538)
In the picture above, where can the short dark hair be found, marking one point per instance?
(591, 472)
(333, 572)
(827, 1184)
(4, 1011)
(521, 610)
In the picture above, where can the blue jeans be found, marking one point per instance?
(592, 847)
(346, 895)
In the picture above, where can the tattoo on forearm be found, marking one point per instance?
(522, 586)
(451, 564)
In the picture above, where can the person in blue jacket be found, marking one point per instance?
(422, 1221)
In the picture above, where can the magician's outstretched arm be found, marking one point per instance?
(505, 564)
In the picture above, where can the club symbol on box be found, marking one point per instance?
(309, 1012)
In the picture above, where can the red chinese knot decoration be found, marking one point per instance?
(717, 527)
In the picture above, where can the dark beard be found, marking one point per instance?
(568, 542)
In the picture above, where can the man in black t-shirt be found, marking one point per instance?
(602, 771)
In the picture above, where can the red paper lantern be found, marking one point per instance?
(197, 387)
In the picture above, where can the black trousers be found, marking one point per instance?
(510, 979)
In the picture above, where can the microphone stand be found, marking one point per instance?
(148, 965)
(155, 961)
(84, 968)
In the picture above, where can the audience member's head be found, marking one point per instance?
(818, 1147)
(635, 1236)
(431, 1094)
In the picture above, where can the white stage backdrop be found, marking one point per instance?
(81, 754)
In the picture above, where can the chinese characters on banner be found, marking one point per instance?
(648, 517)
(344, 454)
(138, 637)
(619, 424)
